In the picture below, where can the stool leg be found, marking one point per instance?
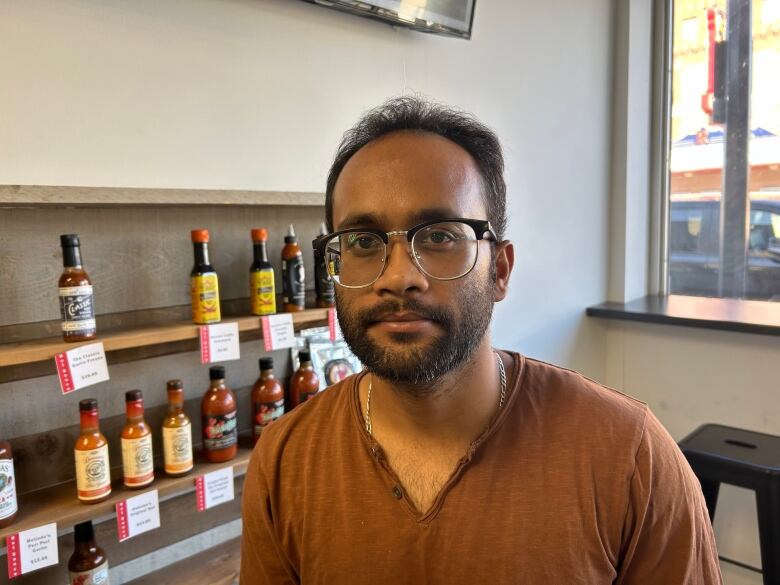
(710, 490)
(768, 507)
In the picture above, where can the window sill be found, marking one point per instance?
(708, 313)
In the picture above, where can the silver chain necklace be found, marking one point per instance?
(501, 399)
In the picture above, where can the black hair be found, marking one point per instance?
(416, 113)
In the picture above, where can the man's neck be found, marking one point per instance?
(454, 409)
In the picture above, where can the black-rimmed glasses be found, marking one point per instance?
(443, 249)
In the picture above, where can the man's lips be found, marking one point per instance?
(401, 317)
(404, 322)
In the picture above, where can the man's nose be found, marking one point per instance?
(401, 275)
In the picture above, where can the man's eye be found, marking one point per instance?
(439, 237)
(362, 241)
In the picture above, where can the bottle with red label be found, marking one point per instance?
(220, 421)
(137, 459)
(304, 383)
(267, 398)
(88, 565)
(8, 504)
(93, 472)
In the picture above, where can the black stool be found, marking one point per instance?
(746, 459)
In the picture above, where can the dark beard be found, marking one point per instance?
(419, 366)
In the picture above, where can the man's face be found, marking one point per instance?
(406, 326)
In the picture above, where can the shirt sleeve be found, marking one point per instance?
(263, 561)
(667, 535)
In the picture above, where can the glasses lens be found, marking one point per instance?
(355, 258)
(446, 250)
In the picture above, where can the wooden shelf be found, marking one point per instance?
(62, 196)
(222, 564)
(26, 352)
(59, 503)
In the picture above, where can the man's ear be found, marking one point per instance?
(504, 262)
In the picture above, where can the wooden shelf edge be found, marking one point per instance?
(59, 503)
(73, 196)
(26, 352)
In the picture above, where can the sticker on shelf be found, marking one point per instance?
(137, 515)
(212, 489)
(219, 343)
(333, 326)
(32, 549)
(81, 367)
(278, 332)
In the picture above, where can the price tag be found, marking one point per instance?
(219, 343)
(137, 515)
(278, 331)
(333, 326)
(212, 489)
(81, 367)
(32, 549)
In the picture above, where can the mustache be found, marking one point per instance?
(374, 314)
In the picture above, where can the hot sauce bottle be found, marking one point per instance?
(267, 398)
(93, 473)
(204, 284)
(88, 565)
(177, 432)
(262, 293)
(304, 383)
(8, 504)
(137, 459)
(76, 297)
(323, 282)
(293, 274)
(220, 424)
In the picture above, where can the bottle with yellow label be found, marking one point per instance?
(177, 433)
(262, 293)
(204, 284)
(137, 459)
(93, 475)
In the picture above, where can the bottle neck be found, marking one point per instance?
(135, 411)
(175, 403)
(217, 383)
(71, 257)
(267, 375)
(201, 250)
(261, 252)
(89, 421)
(306, 366)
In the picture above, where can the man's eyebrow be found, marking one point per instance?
(432, 213)
(361, 220)
(379, 221)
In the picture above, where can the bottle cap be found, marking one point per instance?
(259, 235)
(69, 241)
(174, 385)
(84, 532)
(290, 238)
(200, 236)
(217, 373)
(133, 396)
(88, 405)
(304, 356)
(266, 363)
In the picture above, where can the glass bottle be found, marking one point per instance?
(304, 383)
(323, 282)
(293, 274)
(262, 292)
(77, 306)
(137, 459)
(267, 398)
(177, 433)
(204, 284)
(93, 472)
(88, 565)
(220, 424)
(8, 503)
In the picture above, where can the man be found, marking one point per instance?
(447, 461)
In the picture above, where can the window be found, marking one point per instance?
(724, 160)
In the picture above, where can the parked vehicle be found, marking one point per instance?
(694, 255)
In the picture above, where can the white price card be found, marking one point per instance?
(219, 343)
(32, 549)
(278, 331)
(81, 367)
(137, 515)
(212, 489)
(333, 326)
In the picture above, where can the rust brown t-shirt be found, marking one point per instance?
(572, 483)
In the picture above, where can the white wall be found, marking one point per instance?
(256, 93)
